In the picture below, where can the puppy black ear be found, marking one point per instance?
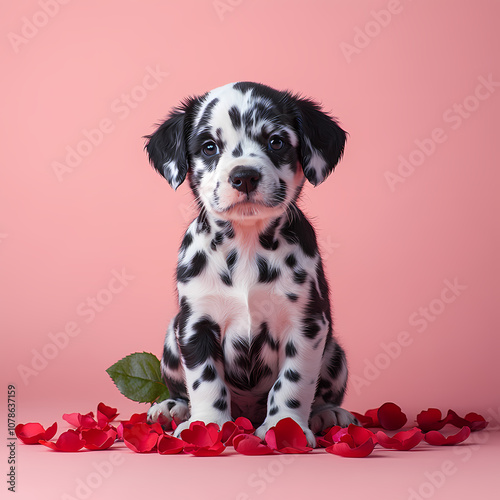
(321, 140)
(167, 148)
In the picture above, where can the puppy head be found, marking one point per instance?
(246, 149)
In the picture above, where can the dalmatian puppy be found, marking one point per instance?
(253, 336)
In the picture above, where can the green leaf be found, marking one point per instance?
(138, 377)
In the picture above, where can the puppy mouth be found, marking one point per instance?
(245, 208)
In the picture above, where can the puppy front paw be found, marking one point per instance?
(272, 421)
(329, 415)
(168, 410)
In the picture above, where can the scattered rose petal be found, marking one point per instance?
(391, 417)
(475, 421)
(170, 445)
(364, 420)
(327, 438)
(245, 424)
(202, 440)
(140, 437)
(355, 442)
(403, 441)
(33, 432)
(99, 439)
(68, 441)
(287, 437)
(437, 439)
(345, 450)
(373, 414)
(231, 429)
(248, 444)
(81, 421)
(430, 420)
(105, 414)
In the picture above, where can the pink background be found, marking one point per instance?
(388, 251)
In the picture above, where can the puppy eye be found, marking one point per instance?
(275, 143)
(210, 149)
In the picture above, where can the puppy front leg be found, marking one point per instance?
(293, 392)
(200, 345)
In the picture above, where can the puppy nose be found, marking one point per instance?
(244, 179)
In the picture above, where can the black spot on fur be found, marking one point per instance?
(207, 114)
(237, 151)
(299, 276)
(231, 260)
(267, 238)
(186, 241)
(292, 296)
(291, 260)
(202, 224)
(267, 338)
(235, 116)
(226, 279)
(336, 363)
(177, 388)
(203, 344)
(220, 404)
(209, 373)
(267, 274)
(293, 403)
(183, 316)
(194, 268)
(298, 231)
(277, 385)
(292, 375)
(217, 240)
(170, 360)
(249, 368)
(273, 411)
(196, 384)
(290, 349)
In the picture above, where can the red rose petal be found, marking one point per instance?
(402, 441)
(248, 444)
(228, 432)
(364, 420)
(105, 414)
(170, 445)
(430, 420)
(81, 421)
(202, 451)
(69, 441)
(98, 439)
(33, 432)
(287, 437)
(199, 435)
(476, 422)
(202, 440)
(245, 424)
(344, 450)
(437, 439)
(138, 418)
(360, 435)
(327, 439)
(391, 417)
(373, 414)
(231, 429)
(140, 437)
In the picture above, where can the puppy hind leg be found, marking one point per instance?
(177, 406)
(326, 411)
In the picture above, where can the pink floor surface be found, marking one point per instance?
(465, 471)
